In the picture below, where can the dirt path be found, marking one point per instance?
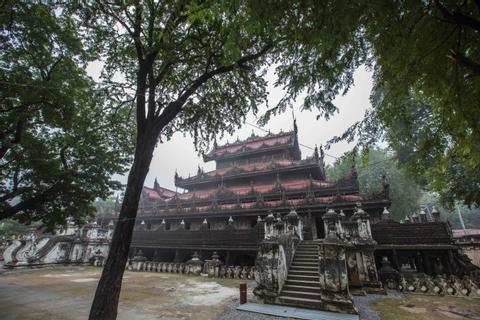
(67, 294)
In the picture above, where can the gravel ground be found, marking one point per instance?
(363, 304)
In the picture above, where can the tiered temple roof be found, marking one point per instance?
(261, 172)
(256, 144)
(251, 169)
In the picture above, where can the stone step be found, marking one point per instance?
(303, 277)
(309, 263)
(305, 283)
(315, 252)
(305, 263)
(307, 248)
(313, 267)
(307, 260)
(300, 294)
(303, 273)
(302, 288)
(306, 256)
(301, 302)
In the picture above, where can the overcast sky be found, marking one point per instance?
(179, 153)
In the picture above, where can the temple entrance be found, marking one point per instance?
(320, 228)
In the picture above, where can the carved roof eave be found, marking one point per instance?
(230, 155)
(255, 138)
(261, 210)
(332, 190)
(181, 183)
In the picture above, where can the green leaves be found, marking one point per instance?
(59, 143)
(404, 192)
(425, 99)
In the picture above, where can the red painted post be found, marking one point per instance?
(243, 293)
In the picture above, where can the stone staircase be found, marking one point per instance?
(302, 287)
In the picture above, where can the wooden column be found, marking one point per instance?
(395, 259)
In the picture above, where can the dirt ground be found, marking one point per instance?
(66, 293)
(423, 307)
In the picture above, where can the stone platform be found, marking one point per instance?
(296, 313)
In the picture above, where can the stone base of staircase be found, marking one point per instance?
(302, 287)
(295, 313)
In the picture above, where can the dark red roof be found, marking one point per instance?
(162, 208)
(159, 193)
(301, 184)
(247, 168)
(253, 143)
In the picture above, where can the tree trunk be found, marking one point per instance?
(105, 303)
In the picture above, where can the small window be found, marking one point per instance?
(187, 225)
(167, 226)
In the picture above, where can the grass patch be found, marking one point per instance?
(422, 307)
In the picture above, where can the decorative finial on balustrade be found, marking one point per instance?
(386, 214)
(435, 214)
(270, 218)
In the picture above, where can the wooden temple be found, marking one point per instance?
(220, 209)
(227, 213)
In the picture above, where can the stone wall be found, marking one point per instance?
(212, 268)
(472, 251)
(87, 244)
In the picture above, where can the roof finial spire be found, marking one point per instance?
(156, 185)
(295, 129)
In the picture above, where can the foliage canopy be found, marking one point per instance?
(426, 58)
(59, 145)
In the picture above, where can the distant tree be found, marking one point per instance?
(426, 60)
(10, 228)
(59, 141)
(470, 214)
(105, 206)
(404, 192)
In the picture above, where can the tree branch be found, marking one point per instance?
(31, 203)
(458, 17)
(16, 139)
(469, 64)
(135, 33)
(174, 107)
